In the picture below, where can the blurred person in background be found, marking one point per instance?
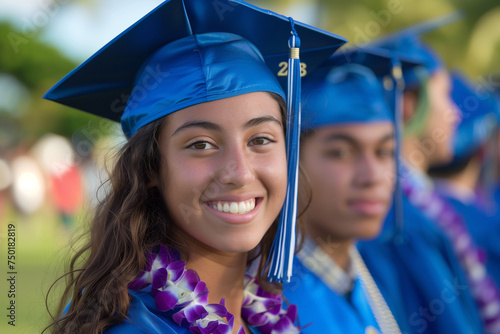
(459, 181)
(413, 261)
(430, 117)
(347, 150)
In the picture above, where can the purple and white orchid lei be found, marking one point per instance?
(179, 290)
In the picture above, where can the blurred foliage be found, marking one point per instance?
(37, 67)
(471, 45)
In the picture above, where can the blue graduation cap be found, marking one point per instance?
(350, 93)
(353, 80)
(407, 43)
(104, 83)
(186, 52)
(480, 117)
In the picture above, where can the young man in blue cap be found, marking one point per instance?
(347, 151)
(197, 189)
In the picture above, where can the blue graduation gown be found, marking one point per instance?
(484, 230)
(145, 318)
(324, 309)
(420, 277)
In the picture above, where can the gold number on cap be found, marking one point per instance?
(284, 69)
(303, 70)
(283, 72)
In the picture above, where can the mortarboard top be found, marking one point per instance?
(378, 59)
(102, 84)
(408, 44)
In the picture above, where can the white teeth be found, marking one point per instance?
(242, 207)
(235, 207)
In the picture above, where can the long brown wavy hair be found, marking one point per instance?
(129, 222)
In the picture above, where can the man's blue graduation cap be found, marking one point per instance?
(186, 52)
(349, 87)
(407, 43)
(345, 94)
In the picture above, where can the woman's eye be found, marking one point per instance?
(261, 141)
(201, 145)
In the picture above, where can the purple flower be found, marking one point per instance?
(204, 316)
(263, 310)
(154, 262)
(175, 288)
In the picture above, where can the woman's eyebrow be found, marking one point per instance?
(261, 120)
(198, 124)
(215, 127)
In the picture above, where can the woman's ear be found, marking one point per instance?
(410, 100)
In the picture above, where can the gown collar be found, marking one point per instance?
(322, 265)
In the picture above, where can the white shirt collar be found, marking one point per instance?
(314, 258)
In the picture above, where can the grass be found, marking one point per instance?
(41, 255)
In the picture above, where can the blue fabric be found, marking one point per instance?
(325, 310)
(332, 97)
(331, 93)
(420, 277)
(145, 318)
(407, 43)
(196, 69)
(480, 116)
(489, 240)
(484, 230)
(379, 60)
(429, 59)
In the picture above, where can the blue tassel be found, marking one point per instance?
(396, 101)
(283, 248)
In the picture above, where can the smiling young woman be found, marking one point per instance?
(197, 189)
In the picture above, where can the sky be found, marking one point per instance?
(80, 28)
(77, 28)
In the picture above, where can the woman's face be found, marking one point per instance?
(224, 170)
(351, 175)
